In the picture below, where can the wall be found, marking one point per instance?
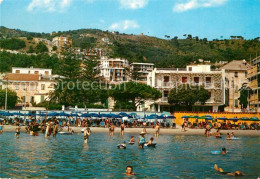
(179, 115)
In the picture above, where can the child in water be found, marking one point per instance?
(150, 141)
(132, 140)
(228, 136)
(129, 170)
(223, 152)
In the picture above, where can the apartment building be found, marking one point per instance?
(165, 79)
(32, 85)
(62, 42)
(235, 75)
(254, 84)
(114, 70)
(140, 71)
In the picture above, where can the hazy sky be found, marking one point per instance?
(203, 18)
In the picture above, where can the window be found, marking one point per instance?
(210, 94)
(32, 99)
(184, 79)
(43, 87)
(166, 79)
(196, 80)
(208, 79)
(23, 99)
(42, 98)
(46, 72)
(236, 103)
(236, 75)
(165, 94)
(246, 74)
(17, 86)
(36, 72)
(190, 68)
(31, 87)
(17, 71)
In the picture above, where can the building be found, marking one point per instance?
(114, 70)
(32, 85)
(164, 79)
(62, 42)
(235, 75)
(254, 84)
(140, 71)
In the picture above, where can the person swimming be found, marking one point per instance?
(224, 151)
(228, 136)
(150, 141)
(141, 140)
(129, 170)
(217, 134)
(236, 173)
(111, 129)
(232, 135)
(132, 140)
(1, 127)
(122, 126)
(17, 131)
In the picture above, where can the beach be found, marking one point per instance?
(170, 131)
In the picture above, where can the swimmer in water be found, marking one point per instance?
(224, 151)
(217, 134)
(111, 130)
(232, 135)
(228, 136)
(132, 140)
(157, 128)
(129, 170)
(1, 127)
(150, 141)
(87, 133)
(17, 131)
(122, 126)
(236, 173)
(141, 140)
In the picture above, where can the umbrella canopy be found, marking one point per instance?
(193, 116)
(6, 114)
(150, 117)
(185, 117)
(222, 118)
(254, 119)
(209, 118)
(244, 118)
(63, 114)
(122, 114)
(234, 118)
(31, 114)
(170, 117)
(202, 117)
(52, 114)
(85, 115)
(94, 115)
(17, 114)
(132, 114)
(73, 114)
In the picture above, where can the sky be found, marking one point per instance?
(204, 18)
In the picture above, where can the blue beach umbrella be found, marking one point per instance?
(85, 115)
(222, 118)
(185, 117)
(63, 114)
(254, 119)
(244, 118)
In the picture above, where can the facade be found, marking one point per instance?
(32, 85)
(235, 75)
(140, 71)
(62, 42)
(114, 70)
(254, 84)
(164, 79)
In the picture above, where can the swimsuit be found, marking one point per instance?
(142, 141)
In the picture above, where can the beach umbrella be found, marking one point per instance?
(254, 119)
(73, 114)
(63, 114)
(6, 114)
(150, 117)
(170, 117)
(244, 118)
(94, 115)
(17, 113)
(85, 115)
(161, 117)
(132, 114)
(233, 119)
(185, 117)
(209, 118)
(122, 114)
(30, 114)
(193, 116)
(222, 118)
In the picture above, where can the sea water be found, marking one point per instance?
(175, 156)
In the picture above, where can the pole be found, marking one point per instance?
(6, 89)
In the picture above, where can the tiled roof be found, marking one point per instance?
(21, 77)
(236, 65)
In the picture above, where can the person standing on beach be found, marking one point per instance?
(157, 129)
(207, 130)
(87, 133)
(17, 130)
(122, 126)
(55, 129)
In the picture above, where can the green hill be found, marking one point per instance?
(169, 52)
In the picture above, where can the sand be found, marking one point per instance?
(177, 131)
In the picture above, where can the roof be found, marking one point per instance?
(239, 65)
(21, 77)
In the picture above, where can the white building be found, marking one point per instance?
(62, 42)
(32, 70)
(164, 79)
(114, 69)
(139, 71)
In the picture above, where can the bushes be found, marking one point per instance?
(12, 44)
(41, 47)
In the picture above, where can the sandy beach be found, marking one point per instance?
(177, 131)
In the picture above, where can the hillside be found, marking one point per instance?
(170, 52)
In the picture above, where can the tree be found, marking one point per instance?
(41, 47)
(12, 98)
(54, 48)
(244, 94)
(134, 93)
(30, 50)
(188, 95)
(12, 44)
(90, 70)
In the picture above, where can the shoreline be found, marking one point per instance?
(170, 131)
